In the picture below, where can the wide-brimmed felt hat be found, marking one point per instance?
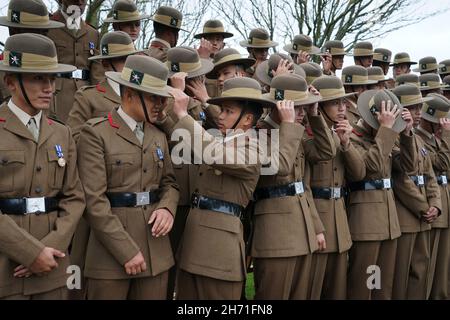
(32, 53)
(258, 38)
(435, 109)
(302, 42)
(409, 95)
(213, 27)
(382, 55)
(125, 11)
(444, 67)
(409, 78)
(369, 102)
(402, 58)
(28, 14)
(228, 57)
(427, 64)
(356, 76)
(242, 89)
(446, 81)
(312, 71)
(334, 47)
(330, 88)
(430, 81)
(186, 59)
(363, 49)
(377, 74)
(291, 87)
(144, 74)
(114, 45)
(264, 71)
(169, 17)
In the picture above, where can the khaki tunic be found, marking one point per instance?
(112, 160)
(352, 111)
(30, 169)
(157, 50)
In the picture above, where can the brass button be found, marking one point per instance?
(38, 168)
(145, 170)
(118, 162)
(4, 161)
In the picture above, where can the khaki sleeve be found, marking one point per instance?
(79, 114)
(107, 227)
(432, 186)
(212, 115)
(290, 139)
(441, 159)
(71, 203)
(97, 73)
(321, 146)
(405, 157)
(355, 168)
(318, 225)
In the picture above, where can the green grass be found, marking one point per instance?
(250, 287)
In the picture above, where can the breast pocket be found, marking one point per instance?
(55, 170)
(158, 157)
(321, 171)
(12, 172)
(117, 166)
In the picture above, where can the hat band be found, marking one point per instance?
(116, 49)
(26, 18)
(437, 114)
(432, 84)
(417, 84)
(426, 66)
(411, 99)
(354, 79)
(126, 15)
(142, 79)
(242, 92)
(298, 47)
(23, 60)
(362, 52)
(167, 20)
(259, 42)
(377, 77)
(228, 58)
(402, 60)
(337, 51)
(280, 94)
(310, 79)
(213, 30)
(184, 66)
(332, 93)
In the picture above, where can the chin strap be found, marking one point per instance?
(144, 107)
(240, 116)
(24, 93)
(112, 65)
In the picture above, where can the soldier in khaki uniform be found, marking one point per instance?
(372, 214)
(97, 100)
(446, 89)
(329, 267)
(434, 129)
(430, 83)
(444, 69)
(312, 71)
(125, 17)
(25, 16)
(382, 81)
(363, 54)
(75, 46)
(212, 254)
(41, 196)
(428, 65)
(131, 192)
(258, 45)
(167, 23)
(301, 49)
(335, 48)
(382, 58)
(284, 205)
(402, 64)
(418, 202)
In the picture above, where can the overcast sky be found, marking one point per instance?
(429, 37)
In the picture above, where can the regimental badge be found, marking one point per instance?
(116, 14)
(15, 59)
(424, 65)
(105, 50)
(444, 69)
(423, 84)
(431, 111)
(175, 67)
(348, 78)
(385, 58)
(295, 46)
(159, 153)
(15, 16)
(424, 152)
(136, 77)
(202, 116)
(250, 40)
(91, 48)
(373, 110)
(173, 22)
(279, 94)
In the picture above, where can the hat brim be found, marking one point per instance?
(167, 25)
(428, 69)
(51, 24)
(367, 116)
(62, 68)
(323, 99)
(262, 69)
(382, 61)
(224, 34)
(246, 62)
(310, 100)
(245, 44)
(116, 77)
(427, 117)
(206, 67)
(410, 63)
(361, 84)
(264, 102)
(441, 86)
(100, 57)
(314, 50)
(141, 17)
(423, 100)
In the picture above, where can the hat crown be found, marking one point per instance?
(36, 7)
(247, 83)
(381, 96)
(124, 5)
(169, 11)
(312, 69)
(355, 71)
(275, 59)
(145, 65)
(337, 44)
(375, 71)
(364, 45)
(407, 78)
(382, 54)
(116, 37)
(402, 55)
(183, 54)
(303, 40)
(31, 43)
(259, 33)
(290, 82)
(213, 24)
(429, 77)
(439, 102)
(428, 60)
(446, 80)
(406, 90)
(328, 82)
(224, 53)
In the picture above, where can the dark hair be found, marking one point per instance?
(253, 108)
(160, 29)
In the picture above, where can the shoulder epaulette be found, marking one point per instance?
(51, 120)
(83, 88)
(2, 120)
(100, 88)
(111, 121)
(95, 121)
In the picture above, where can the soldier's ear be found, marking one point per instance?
(11, 82)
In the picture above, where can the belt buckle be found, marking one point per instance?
(387, 184)
(420, 181)
(336, 193)
(35, 205)
(77, 74)
(299, 189)
(142, 199)
(444, 179)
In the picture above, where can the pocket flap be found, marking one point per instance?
(8, 156)
(220, 221)
(119, 159)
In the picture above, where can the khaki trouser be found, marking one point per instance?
(439, 269)
(56, 294)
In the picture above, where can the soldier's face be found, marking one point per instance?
(300, 114)
(376, 86)
(358, 89)
(338, 62)
(366, 62)
(228, 72)
(38, 88)
(230, 112)
(133, 28)
(400, 69)
(260, 54)
(427, 92)
(335, 109)
(132, 105)
(217, 42)
(415, 111)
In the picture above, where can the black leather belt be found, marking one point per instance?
(328, 193)
(80, 74)
(287, 190)
(131, 199)
(442, 180)
(380, 184)
(222, 206)
(24, 206)
(418, 180)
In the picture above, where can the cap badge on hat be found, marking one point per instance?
(348, 78)
(385, 58)
(431, 111)
(279, 94)
(423, 84)
(175, 67)
(173, 21)
(116, 14)
(294, 46)
(444, 69)
(105, 50)
(373, 110)
(250, 40)
(424, 65)
(15, 16)
(136, 77)
(15, 59)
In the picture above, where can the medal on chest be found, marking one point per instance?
(91, 48)
(60, 154)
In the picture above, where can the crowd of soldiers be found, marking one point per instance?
(358, 208)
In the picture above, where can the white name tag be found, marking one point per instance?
(35, 205)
